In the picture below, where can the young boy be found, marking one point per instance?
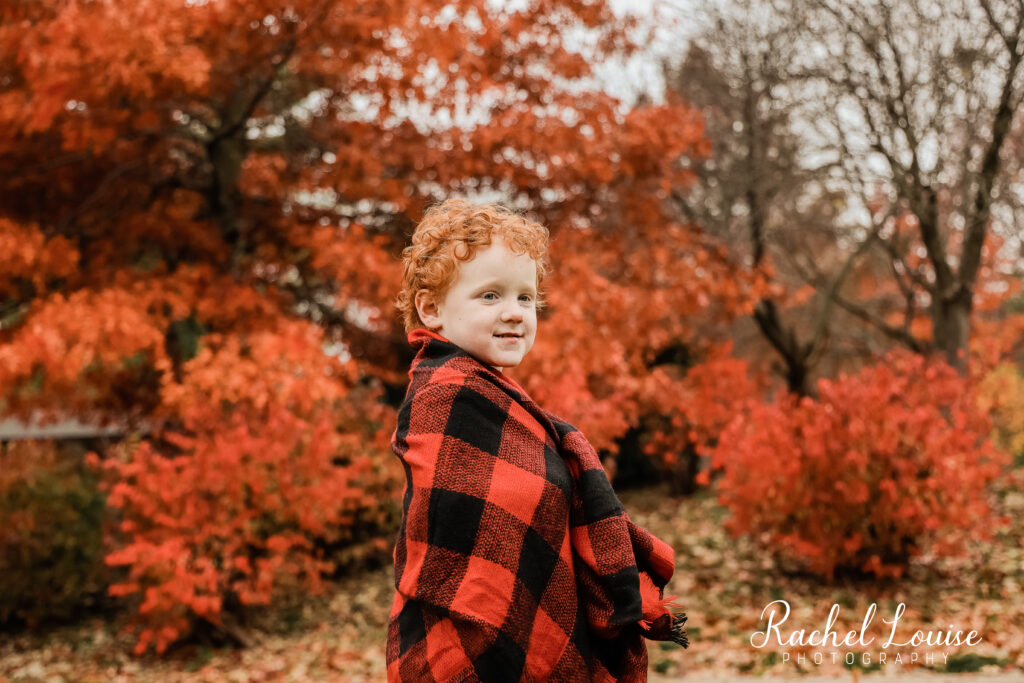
(515, 561)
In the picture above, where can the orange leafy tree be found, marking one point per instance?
(1002, 395)
(200, 218)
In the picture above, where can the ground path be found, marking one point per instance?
(722, 583)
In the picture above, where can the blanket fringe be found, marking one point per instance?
(678, 633)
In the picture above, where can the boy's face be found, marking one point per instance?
(490, 309)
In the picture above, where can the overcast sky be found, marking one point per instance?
(643, 72)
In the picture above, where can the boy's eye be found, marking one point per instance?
(526, 297)
(490, 295)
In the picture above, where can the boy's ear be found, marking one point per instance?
(426, 307)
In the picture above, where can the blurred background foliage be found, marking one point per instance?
(790, 276)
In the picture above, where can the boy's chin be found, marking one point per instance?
(507, 360)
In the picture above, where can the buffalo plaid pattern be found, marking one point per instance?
(515, 561)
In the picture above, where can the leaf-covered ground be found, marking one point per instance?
(723, 584)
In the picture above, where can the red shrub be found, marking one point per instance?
(240, 512)
(274, 461)
(883, 464)
(685, 411)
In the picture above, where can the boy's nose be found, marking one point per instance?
(511, 312)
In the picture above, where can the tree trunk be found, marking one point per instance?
(951, 324)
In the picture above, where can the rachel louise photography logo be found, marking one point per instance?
(841, 652)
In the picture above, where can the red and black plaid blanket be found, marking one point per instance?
(515, 561)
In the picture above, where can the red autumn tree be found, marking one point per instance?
(203, 205)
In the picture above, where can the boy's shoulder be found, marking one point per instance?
(442, 377)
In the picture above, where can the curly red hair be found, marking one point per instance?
(450, 233)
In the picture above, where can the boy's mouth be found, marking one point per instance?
(508, 336)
